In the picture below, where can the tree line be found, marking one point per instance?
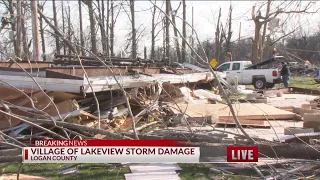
(176, 44)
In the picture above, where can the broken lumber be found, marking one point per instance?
(249, 114)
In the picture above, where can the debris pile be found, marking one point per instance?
(93, 102)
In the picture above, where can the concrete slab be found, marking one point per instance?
(295, 100)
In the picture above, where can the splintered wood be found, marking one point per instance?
(247, 113)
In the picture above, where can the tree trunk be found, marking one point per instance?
(19, 40)
(264, 30)
(69, 28)
(228, 41)
(184, 33)
(107, 28)
(13, 26)
(92, 28)
(192, 40)
(217, 38)
(164, 40)
(153, 32)
(255, 43)
(112, 29)
(81, 28)
(63, 27)
(101, 25)
(35, 31)
(56, 25)
(25, 38)
(175, 34)
(145, 53)
(134, 43)
(167, 50)
(43, 43)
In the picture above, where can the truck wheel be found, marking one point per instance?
(259, 83)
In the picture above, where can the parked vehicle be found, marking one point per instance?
(247, 73)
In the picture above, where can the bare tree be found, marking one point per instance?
(112, 29)
(264, 30)
(102, 26)
(19, 37)
(154, 34)
(63, 26)
(227, 37)
(175, 31)
(217, 38)
(69, 28)
(43, 43)
(192, 34)
(260, 20)
(81, 27)
(24, 36)
(153, 31)
(93, 34)
(55, 24)
(184, 33)
(13, 25)
(35, 31)
(133, 30)
(107, 28)
(167, 40)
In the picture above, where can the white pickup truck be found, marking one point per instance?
(259, 78)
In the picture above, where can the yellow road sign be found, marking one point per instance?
(213, 62)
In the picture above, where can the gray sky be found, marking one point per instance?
(205, 18)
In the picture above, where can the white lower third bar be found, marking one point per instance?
(111, 154)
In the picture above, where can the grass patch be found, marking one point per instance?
(112, 171)
(87, 171)
(304, 82)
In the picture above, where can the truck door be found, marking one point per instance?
(236, 72)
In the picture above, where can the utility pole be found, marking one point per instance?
(35, 31)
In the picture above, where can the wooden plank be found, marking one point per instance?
(244, 111)
(59, 97)
(9, 94)
(127, 123)
(246, 122)
(64, 107)
(39, 98)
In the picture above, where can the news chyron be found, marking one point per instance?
(133, 151)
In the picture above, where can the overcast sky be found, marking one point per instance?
(205, 18)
